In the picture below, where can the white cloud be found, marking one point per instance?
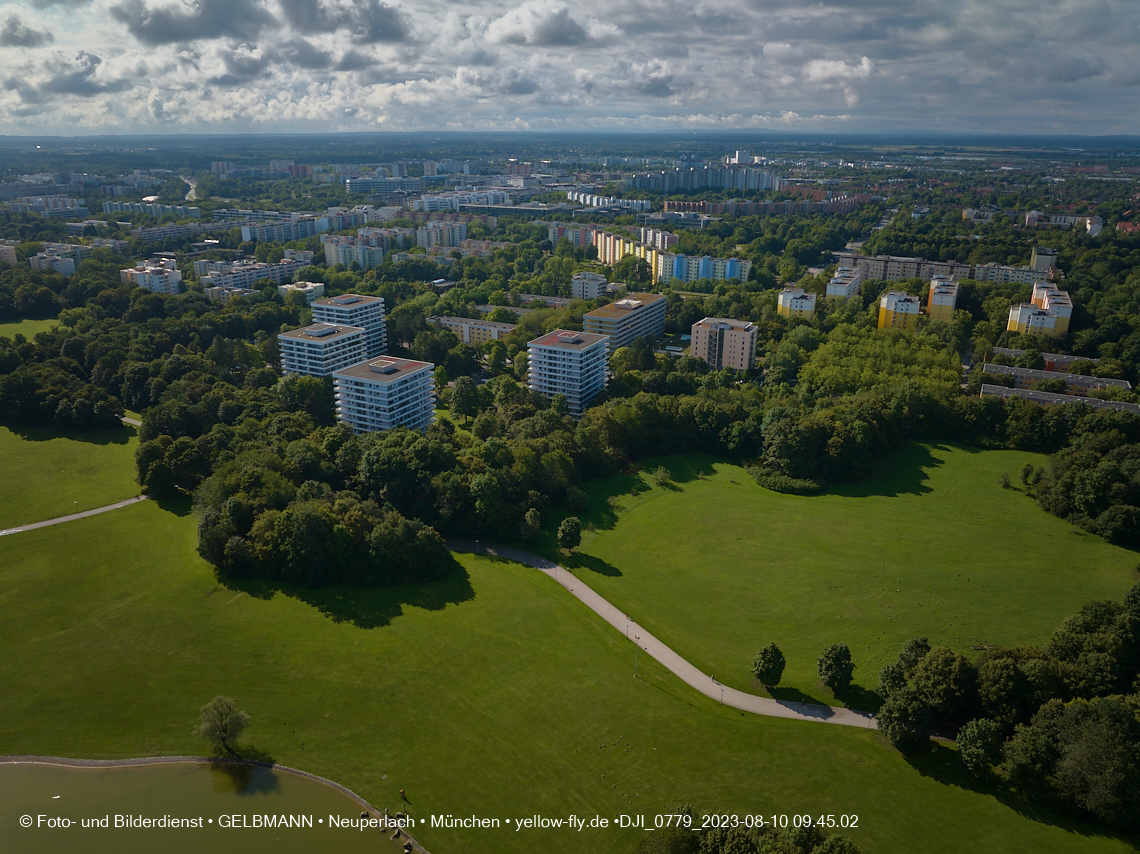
(836, 70)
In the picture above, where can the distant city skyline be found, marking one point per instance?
(261, 66)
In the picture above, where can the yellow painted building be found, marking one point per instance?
(899, 310)
(1048, 313)
(942, 299)
(796, 302)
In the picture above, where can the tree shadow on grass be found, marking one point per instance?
(902, 472)
(940, 762)
(366, 607)
(120, 435)
(795, 695)
(242, 777)
(577, 560)
(179, 505)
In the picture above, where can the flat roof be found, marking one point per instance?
(1034, 373)
(724, 321)
(321, 332)
(348, 301)
(382, 370)
(568, 339)
(1049, 398)
(625, 305)
(1048, 357)
(478, 321)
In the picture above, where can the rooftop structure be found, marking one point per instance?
(380, 394)
(796, 302)
(899, 310)
(311, 290)
(942, 298)
(634, 316)
(725, 343)
(1074, 383)
(1053, 361)
(845, 282)
(569, 363)
(225, 294)
(162, 277)
(1045, 398)
(320, 349)
(365, 312)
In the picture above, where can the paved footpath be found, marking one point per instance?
(134, 422)
(703, 682)
(58, 519)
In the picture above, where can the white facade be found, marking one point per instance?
(845, 283)
(587, 285)
(384, 393)
(320, 349)
(61, 264)
(569, 363)
(364, 312)
(311, 290)
(162, 277)
(452, 201)
(8, 251)
(441, 234)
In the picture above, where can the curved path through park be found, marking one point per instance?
(72, 517)
(681, 668)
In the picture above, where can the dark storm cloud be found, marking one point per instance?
(355, 61)
(369, 22)
(243, 65)
(15, 33)
(304, 54)
(78, 78)
(207, 19)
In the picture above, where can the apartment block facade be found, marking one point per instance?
(942, 299)
(380, 394)
(162, 277)
(320, 349)
(796, 302)
(899, 310)
(634, 316)
(725, 343)
(569, 363)
(846, 282)
(473, 331)
(364, 312)
(586, 285)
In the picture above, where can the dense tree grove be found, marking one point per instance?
(1060, 722)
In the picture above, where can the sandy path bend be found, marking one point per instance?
(71, 518)
(681, 668)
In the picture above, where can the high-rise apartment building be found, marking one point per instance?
(1048, 313)
(380, 394)
(365, 312)
(899, 310)
(845, 283)
(311, 290)
(320, 349)
(569, 363)
(796, 302)
(162, 277)
(942, 299)
(725, 343)
(587, 285)
(634, 316)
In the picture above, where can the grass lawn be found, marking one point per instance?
(717, 567)
(49, 473)
(493, 693)
(26, 327)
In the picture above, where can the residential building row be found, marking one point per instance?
(472, 330)
(666, 266)
(63, 207)
(1053, 361)
(161, 276)
(452, 201)
(892, 268)
(1078, 384)
(244, 274)
(1045, 398)
(154, 209)
(595, 201)
(728, 177)
(839, 204)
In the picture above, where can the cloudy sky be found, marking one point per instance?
(1013, 66)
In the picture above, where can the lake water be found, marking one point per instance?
(227, 803)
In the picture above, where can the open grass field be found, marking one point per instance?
(493, 693)
(717, 567)
(25, 326)
(50, 473)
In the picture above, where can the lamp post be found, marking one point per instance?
(637, 645)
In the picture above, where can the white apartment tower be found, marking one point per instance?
(356, 310)
(162, 277)
(320, 349)
(569, 363)
(380, 394)
(587, 285)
